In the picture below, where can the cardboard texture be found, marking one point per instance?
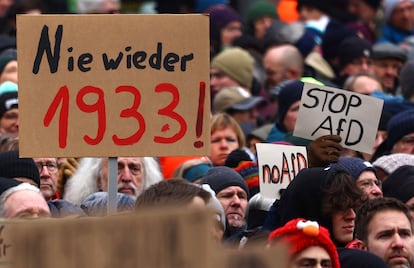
(151, 239)
(5, 244)
(164, 238)
(326, 110)
(255, 257)
(113, 85)
(278, 165)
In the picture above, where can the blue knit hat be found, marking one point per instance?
(222, 177)
(399, 125)
(354, 165)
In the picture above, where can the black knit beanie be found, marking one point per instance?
(11, 166)
(6, 184)
(222, 177)
(399, 125)
(400, 184)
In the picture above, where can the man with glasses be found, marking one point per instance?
(27, 170)
(48, 170)
(364, 174)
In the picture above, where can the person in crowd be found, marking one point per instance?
(400, 185)
(26, 170)
(400, 131)
(241, 105)
(387, 164)
(232, 192)
(388, 59)
(8, 66)
(399, 21)
(183, 194)
(367, 18)
(134, 175)
(20, 200)
(259, 17)
(9, 111)
(309, 244)
(289, 94)
(258, 135)
(173, 192)
(355, 56)
(48, 170)
(326, 195)
(384, 227)
(282, 63)
(364, 174)
(225, 27)
(226, 136)
(363, 83)
(231, 67)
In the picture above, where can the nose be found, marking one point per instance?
(126, 174)
(235, 201)
(223, 143)
(44, 171)
(364, 67)
(397, 242)
(376, 191)
(350, 214)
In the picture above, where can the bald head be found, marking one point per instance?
(282, 63)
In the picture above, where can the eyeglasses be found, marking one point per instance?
(369, 183)
(51, 167)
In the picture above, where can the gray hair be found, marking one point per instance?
(8, 192)
(85, 180)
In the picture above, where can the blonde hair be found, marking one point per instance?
(222, 120)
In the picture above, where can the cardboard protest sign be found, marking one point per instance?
(6, 244)
(278, 165)
(147, 239)
(256, 256)
(326, 110)
(113, 85)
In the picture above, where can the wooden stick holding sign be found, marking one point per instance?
(331, 111)
(93, 86)
(278, 165)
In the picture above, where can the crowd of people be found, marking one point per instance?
(346, 209)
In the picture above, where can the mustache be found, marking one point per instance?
(129, 185)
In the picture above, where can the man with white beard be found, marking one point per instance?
(135, 174)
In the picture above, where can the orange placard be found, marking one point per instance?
(113, 85)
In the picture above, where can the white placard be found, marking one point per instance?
(326, 110)
(278, 165)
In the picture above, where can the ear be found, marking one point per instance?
(293, 74)
(356, 244)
